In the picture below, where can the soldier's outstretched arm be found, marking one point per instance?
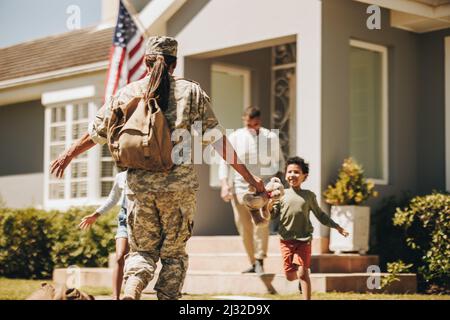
(59, 165)
(227, 152)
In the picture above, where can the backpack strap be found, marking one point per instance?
(151, 104)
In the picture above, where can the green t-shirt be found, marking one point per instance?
(294, 209)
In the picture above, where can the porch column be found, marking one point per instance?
(309, 117)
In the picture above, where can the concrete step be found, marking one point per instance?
(225, 244)
(237, 262)
(208, 282)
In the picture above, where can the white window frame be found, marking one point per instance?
(91, 94)
(47, 150)
(447, 113)
(105, 179)
(247, 98)
(93, 159)
(385, 104)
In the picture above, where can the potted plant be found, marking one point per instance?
(345, 196)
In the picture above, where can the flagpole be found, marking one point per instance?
(135, 16)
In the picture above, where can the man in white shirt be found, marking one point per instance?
(259, 149)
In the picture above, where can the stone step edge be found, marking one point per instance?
(206, 272)
(270, 254)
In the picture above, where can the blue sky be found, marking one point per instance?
(23, 20)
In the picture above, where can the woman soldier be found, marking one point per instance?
(161, 205)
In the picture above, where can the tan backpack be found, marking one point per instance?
(52, 292)
(139, 136)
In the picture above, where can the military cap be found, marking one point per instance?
(161, 45)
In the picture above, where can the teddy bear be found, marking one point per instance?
(257, 203)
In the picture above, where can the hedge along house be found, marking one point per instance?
(332, 86)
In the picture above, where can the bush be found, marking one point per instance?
(33, 242)
(25, 244)
(426, 221)
(394, 269)
(91, 248)
(351, 188)
(387, 240)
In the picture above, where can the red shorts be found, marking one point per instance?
(295, 253)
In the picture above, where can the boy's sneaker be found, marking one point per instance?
(250, 270)
(259, 266)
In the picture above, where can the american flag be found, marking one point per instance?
(127, 53)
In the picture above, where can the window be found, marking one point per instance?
(79, 165)
(57, 145)
(368, 109)
(89, 176)
(108, 171)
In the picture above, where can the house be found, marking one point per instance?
(333, 85)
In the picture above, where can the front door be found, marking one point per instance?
(230, 94)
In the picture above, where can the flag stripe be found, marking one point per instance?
(113, 71)
(136, 59)
(136, 48)
(134, 41)
(126, 55)
(107, 83)
(133, 70)
(139, 74)
(119, 70)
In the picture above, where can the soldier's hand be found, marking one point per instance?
(87, 221)
(58, 166)
(270, 204)
(259, 185)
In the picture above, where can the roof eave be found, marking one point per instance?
(55, 74)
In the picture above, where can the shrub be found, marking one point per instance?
(350, 188)
(426, 221)
(72, 246)
(394, 269)
(33, 242)
(25, 244)
(387, 240)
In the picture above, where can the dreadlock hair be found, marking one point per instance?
(159, 84)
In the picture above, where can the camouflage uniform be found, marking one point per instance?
(161, 205)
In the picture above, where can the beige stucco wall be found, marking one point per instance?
(22, 190)
(347, 20)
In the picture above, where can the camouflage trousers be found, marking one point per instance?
(159, 225)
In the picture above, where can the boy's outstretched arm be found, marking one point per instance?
(342, 231)
(324, 218)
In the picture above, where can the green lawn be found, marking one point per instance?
(16, 289)
(333, 296)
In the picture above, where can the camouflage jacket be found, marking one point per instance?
(188, 103)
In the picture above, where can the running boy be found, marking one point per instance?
(295, 227)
